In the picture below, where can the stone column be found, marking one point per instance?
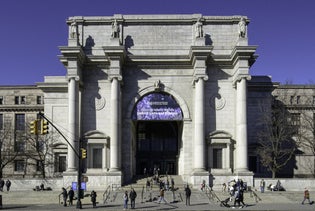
(115, 125)
(241, 126)
(199, 140)
(73, 95)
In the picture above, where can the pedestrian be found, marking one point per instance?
(64, 196)
(148, 185)
(306, 196)
(172, 184)
(162, 196)
(8, 184)
(203, 185)
(262, 186)
(223, 187)
(125, 198)
(132, 196)
(93, 198)
(188, 194)
(1, 184)
(71, 196)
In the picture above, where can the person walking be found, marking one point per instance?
(8, 184)
(188, 194)
(1, 184)
(71, 196)
(93, 198)
(262, 186)
(64, 196)
(306, 196)
(162, 196)
(125, 198)
(132, 196)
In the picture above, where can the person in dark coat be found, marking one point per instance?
(188, 194)
(1, 184)
(132, 196)
(93, 198)
(8, 184)
(71, 196)
(64, 196)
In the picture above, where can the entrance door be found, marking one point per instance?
(157, 146)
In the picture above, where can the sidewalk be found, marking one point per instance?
(48, 200)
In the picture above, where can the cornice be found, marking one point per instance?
(71, 53)
(21, 108)
(155, 19)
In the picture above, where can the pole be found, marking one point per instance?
(78, 154)
(79, 204)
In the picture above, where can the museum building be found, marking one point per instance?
(167, 92)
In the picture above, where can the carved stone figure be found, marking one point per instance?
(198, 29)
(242, 27)
(115, 29)
(73, 29)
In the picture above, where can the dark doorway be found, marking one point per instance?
(157, 146)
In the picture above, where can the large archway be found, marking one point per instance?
(158, 120)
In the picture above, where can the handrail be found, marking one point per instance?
(106, 194)
(254, 194)
(211, 194)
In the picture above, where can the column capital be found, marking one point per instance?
(112, 77)
(75, 77)
(196, 78)
(239, 77)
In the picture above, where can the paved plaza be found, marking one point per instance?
(49, 200)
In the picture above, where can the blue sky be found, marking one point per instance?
(32, 30)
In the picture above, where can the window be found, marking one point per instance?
(97, 158)
(19, 100)
(313, 100)
(61, 163)
(1, 121)
(39, 166)
(217, 158)
(294, 121)
(291, 100)
(40, 145)
(19, 165)
(39, 100)
(19, 146)
(1, 100)
(23, 101)
(20, 122)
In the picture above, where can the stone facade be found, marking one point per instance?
(19, 105)
(113, 62)
(200, 63)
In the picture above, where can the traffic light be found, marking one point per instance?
(83, 153)
(34, 127)
(44, 127)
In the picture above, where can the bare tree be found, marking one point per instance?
(306, 138)
(39, 153)
(7, 146)
(276, 143)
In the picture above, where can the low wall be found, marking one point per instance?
(289, 184)
(29, 184)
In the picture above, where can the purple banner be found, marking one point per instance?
(157, 106)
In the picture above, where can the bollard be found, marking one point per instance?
(0, 202)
